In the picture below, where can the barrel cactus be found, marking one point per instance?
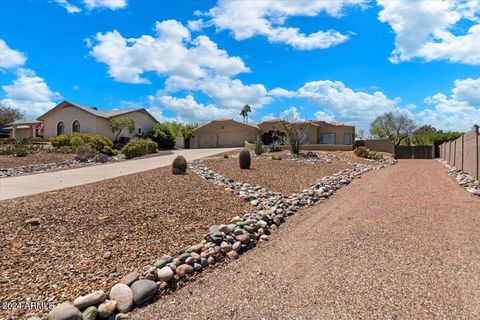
(179, 165)
(244, 159)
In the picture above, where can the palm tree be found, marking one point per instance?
(245, 111)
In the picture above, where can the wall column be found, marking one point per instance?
(33, 131)
(14, 128)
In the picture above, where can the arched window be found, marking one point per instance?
(76, 126)
(60, 128)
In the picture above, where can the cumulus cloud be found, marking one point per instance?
(246, 19)
(187, 64)
(71, 8)
(429, 30)
(281, 93)
(29, 93)
(459, 112)
(10, 58)
(346, 104)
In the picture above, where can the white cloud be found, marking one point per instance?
(346, 104)
(108, 4)
(187, 64)
(92, 4)
(189, 110)
(324, 116)
(246, 19)
(291, 114)
(428, 30)
(71, 8)
(281, 93)
(458, 112)
(10, 58)
(29, 93)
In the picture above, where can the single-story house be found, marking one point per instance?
(68, 117)
(318, 135)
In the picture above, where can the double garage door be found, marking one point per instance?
(224, 140)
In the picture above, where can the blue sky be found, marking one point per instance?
(193, 61)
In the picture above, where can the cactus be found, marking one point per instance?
(258, 146)
(244, 159)
(179, 165)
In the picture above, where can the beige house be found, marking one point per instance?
(318, 135)
(68, 117)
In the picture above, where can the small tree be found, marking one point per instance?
(187, 130)
(295, 131)
(120, 123)
(162, 135)
(245, 111)
(394, 127)
(9, 114)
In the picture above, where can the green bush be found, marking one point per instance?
(366, 153)
(63, 150)
(109, 151)
(162, 135)
(74, 140)
(275, 146)
(85, 152)
(139, 147)
(226, 156)
(258, 146)
(19, 150)
(276, 158)
(8, 141)
(244, 159)
(34, 140)
(179, 165)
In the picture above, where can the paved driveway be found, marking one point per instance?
(37, 183)
(399, 243)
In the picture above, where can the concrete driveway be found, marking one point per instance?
(37, 183)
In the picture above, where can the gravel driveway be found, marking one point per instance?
(400, 243)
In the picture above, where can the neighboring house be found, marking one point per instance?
(318, 135)
(23, 129)
(68, 117)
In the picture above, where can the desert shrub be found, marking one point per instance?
(275, 146)
(139, 147)
(244, 159)
(18, 150)
(75, 140)
(62, 149)
(311, 154)
(34, 140)
(8, 141)
(100, 157)
(225, 156)
(85, 152)
(258, 146)
(276, 158)
(179, 165)
(162, 135)
(109, 151)
(366, 153)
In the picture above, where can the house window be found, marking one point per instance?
(60, 128)
(327, 138)
(76, 126)
(347, 138)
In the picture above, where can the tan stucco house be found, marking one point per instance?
(68, 117)
(318, 135)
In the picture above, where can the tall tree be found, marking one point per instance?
(394, 127)
(9, 114)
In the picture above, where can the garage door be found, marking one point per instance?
(207, 141)
(229, 140)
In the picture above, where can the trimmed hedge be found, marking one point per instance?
(139, 147)
(74, 140)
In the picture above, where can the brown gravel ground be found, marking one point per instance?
(400, 243)
(281, 176)
(33, 159)
(138, 218)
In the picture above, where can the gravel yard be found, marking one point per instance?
(137, 218)
(375, 250)
(275, 175)
(33, 159)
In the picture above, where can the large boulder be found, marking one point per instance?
(123, 295)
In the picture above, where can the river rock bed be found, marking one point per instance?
(463, 179)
